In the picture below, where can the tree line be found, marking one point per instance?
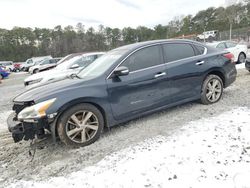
(18, 44)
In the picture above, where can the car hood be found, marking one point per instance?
(47, 90)
(39, 75)
(49, 74)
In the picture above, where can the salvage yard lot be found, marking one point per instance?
(191, 145)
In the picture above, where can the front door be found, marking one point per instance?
(139, 91)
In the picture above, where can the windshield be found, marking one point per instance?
(63, 59)
(102, 64)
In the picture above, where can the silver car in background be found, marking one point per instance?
(44, 65)
(62, 70)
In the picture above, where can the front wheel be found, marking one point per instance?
(212, 89)
(35, 71)
(80, 125)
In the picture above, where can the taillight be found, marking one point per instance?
(230, 57)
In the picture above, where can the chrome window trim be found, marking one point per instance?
(163, 64)
(147, 68)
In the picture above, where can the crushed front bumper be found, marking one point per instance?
(26, 130)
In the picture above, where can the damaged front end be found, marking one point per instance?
(26, 129)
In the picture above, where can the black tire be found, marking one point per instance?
(35, 71)
(1, 77)
(205, 91)
(240, 60)
(65, 117)
(210, 39)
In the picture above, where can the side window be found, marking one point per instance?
(221, 46)
(174, 52)
(230, 44)
(144, 58)
(95, 57)
(45, 62)
(199, 49)
(29, 61)
(51, 61)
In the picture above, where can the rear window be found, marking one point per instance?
(231, 44)
(221, 46)
(174, 52)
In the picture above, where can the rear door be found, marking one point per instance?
(139, 91)
(185, 65)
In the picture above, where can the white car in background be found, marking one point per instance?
(44, 65)
(208, 35)
(7, 65)
(33, 61)
(63, 70)
(238, 50)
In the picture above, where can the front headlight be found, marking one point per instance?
(35, 111)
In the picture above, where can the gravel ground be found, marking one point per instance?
(51, 160)
(212, 152)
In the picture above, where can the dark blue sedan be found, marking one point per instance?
(126, 83)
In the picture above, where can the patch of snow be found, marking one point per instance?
(21, 72)
(240, 66)
(212, 152)
(3, 120)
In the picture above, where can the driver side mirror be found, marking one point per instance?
(75, 66)
(121, 71)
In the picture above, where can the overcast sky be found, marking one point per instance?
(113, 13)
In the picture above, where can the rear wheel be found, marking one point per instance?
(212, 89)
(80, 125)
(1, 77)
(242, 58)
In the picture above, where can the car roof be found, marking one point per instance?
(93, 53)
(2, 62)
(213, 44)
(146, 43)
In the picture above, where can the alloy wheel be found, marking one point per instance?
(214, 90)
(82, 126)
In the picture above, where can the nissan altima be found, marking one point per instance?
(126, 83)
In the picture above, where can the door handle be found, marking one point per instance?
(160, 74)
(200, 63)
